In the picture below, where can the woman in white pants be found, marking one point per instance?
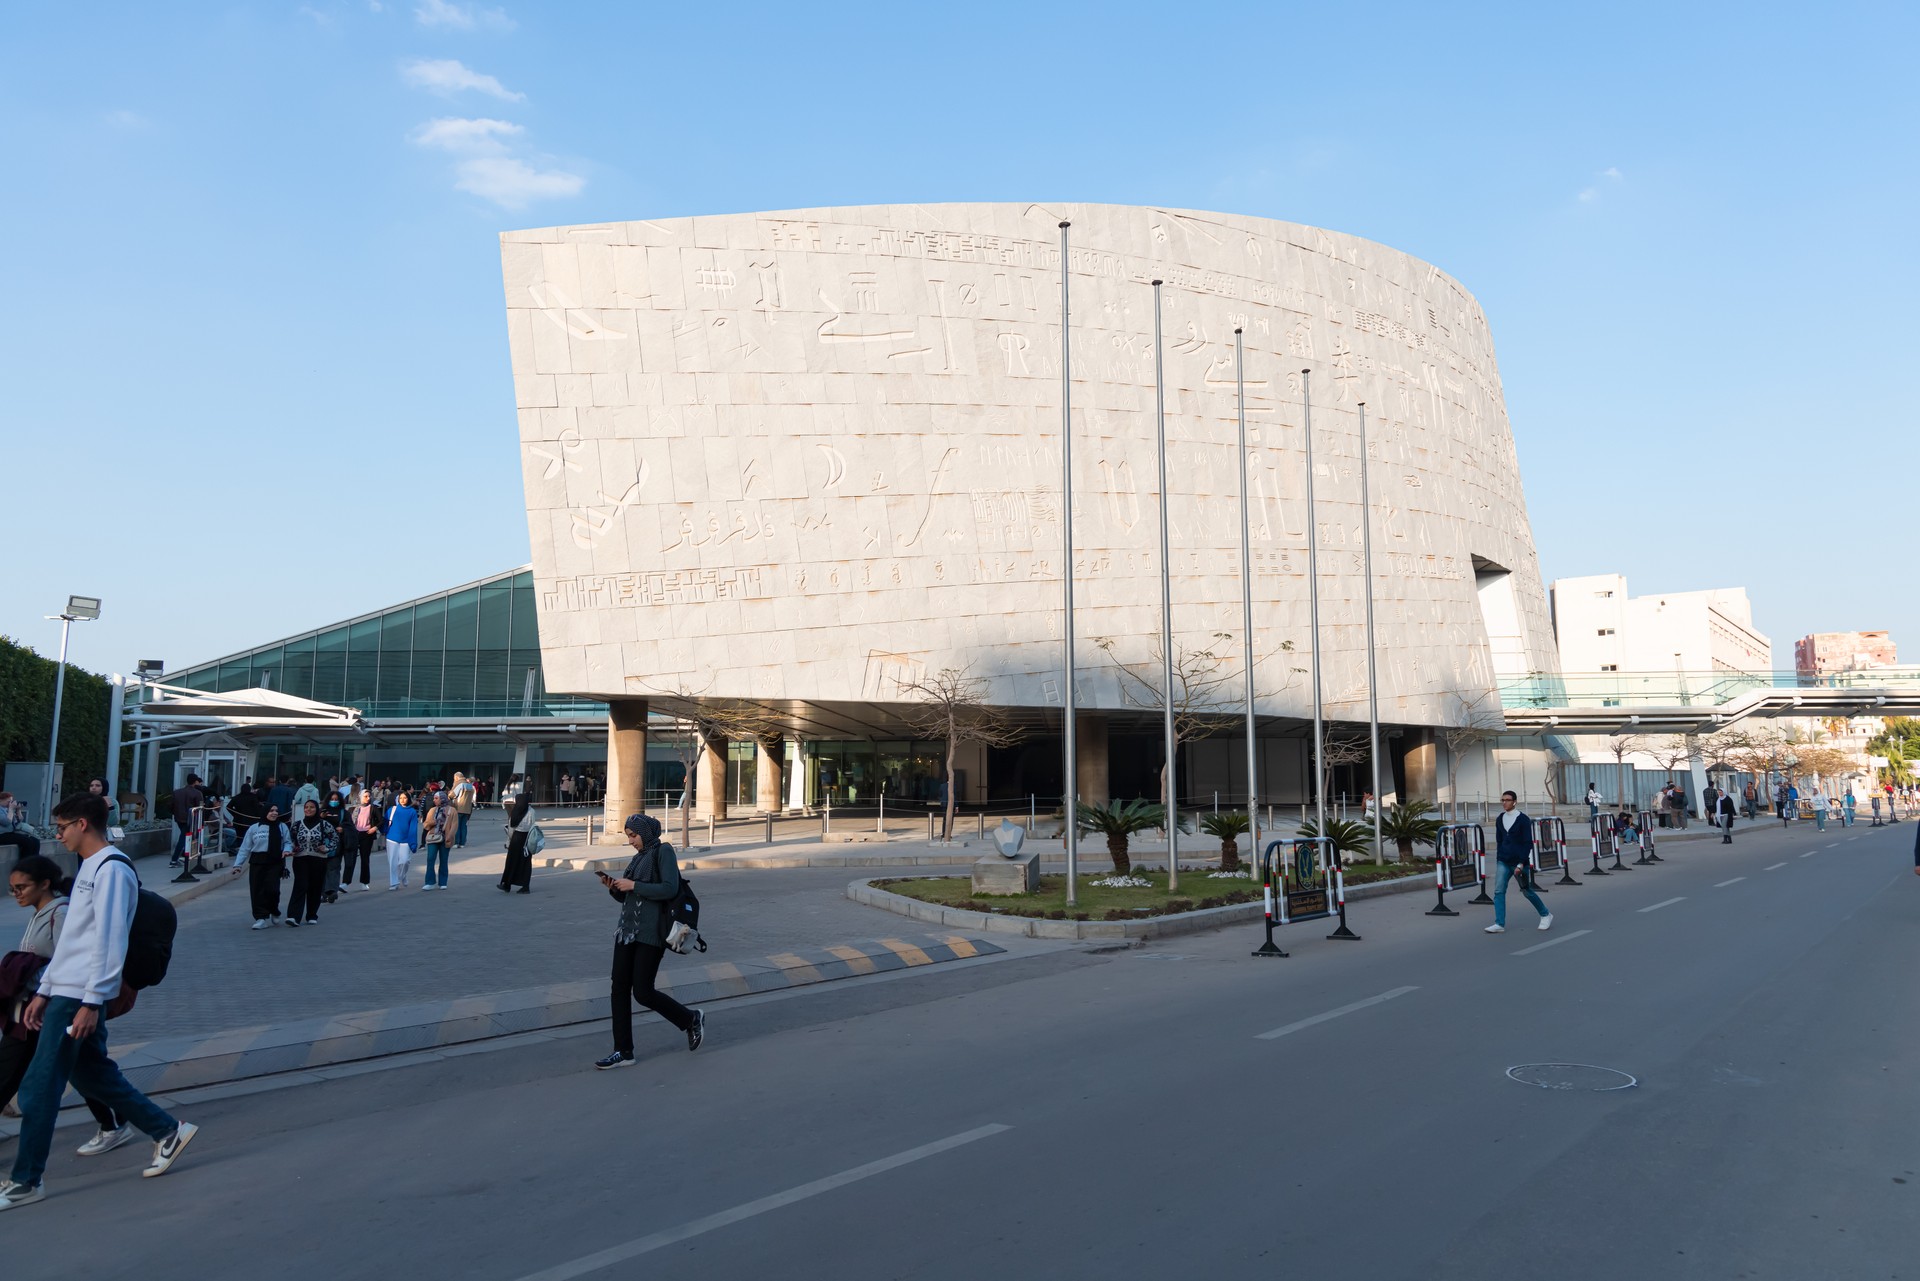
(403, 838)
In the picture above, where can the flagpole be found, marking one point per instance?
(1172, 800)
(1373, 677)
(1246, 600)
(1313, 611)
(1070, 790)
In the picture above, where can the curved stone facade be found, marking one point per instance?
(796, 455)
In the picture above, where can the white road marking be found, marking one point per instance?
(1668, 903)
(1564, 938)
(1776, 867)
(1723, 885)
(672, 1236)
(1809, 853)
(1291, 1028)
(1829, 845)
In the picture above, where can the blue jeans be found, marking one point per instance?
(460, 834)
(436, 853)
(1526, 887)
(58, 1061)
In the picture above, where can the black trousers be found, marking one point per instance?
(263, 879)
(309, 883)
(15, 1055)
(518, 872)
(355, 843)
(634, 967)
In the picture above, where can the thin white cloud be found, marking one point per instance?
(1611, 173)
(452, 133)
(448, 76)
(124, 119)
(513, 184)
(442, 13)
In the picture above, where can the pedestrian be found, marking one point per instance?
(186, 814)
(83, 977)
(41, 887)
(314, 842)
(1874, 800)
(307, 792)
(1593, 802)
(336, 814)
(97, 786)
(566, 789)
(1751, 795)
(436, 833)
(650, 882)
(1723, 817)
(517, 873)
(1818, 804)
(362, 832)
(463, 799)
(265, 849)
(403, 838)
(1513, 847)
(1848, 807)
(14, 830)
(280, 793)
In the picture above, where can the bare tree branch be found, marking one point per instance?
(951, 704)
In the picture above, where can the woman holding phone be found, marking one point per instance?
(650, 882)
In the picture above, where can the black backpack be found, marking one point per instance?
(684, 909)
(150, 938)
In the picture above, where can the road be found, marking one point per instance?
(1173, 1110)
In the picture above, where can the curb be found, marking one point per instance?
(177, 1063)
(1151, 927)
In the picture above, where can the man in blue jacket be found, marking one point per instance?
(1513, 846)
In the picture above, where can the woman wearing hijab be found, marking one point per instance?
(651, 881)
(518, 872)
(270, 841)
(362, 829)
(314, 841)
(98, 787)
(436, 833)
(336, 814)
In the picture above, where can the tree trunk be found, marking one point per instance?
(1117, 851)
(946, 831)
(1405, 848)
(1230, 855)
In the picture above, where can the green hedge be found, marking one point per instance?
(26, 713)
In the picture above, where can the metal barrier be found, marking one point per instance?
(1600, 828)
(1459, 862)
(1301, 880)
(1647, 856)
(1550, 851)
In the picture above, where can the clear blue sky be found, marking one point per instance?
(255, 365)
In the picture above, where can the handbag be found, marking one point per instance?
(536, 840)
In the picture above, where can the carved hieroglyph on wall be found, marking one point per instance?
(825, 443)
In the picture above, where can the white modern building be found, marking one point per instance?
(797, 459)
(1698, 645)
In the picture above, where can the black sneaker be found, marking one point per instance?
(615, 1060)
(698, 1031)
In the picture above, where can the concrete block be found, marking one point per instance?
(1017, 875)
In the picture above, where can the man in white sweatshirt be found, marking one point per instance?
(82, 977)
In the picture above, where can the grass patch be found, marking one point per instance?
(1097, 902)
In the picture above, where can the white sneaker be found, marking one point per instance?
(14, 1195)
(1546, 922)
(261, 925)
(168, 1150)
(1496, 929)
(425, 888)
(105, 1141)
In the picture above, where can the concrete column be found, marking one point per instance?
(770, 765)
(1697, 767)
(1090, 761)
(710, 790)
(626, 766)
(1421, 759)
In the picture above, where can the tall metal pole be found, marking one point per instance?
(1246, 599)
(45, 816)
(1313, 610)
(1373, 680)
(116, 708)
(1070, 800)
(1172, 806)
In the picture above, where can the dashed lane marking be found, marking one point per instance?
(1776, 867)
(1809, 853)
(1553, 942)
(672, 1236)
(1667, 903)
(1291, 1028)
(1723, 885)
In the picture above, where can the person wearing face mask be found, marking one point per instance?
(336, 814)
(265, 847)
(314, 841)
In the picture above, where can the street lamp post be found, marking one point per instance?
(1170, 810)
(80, 609)
(1070, 800)
(1373, 675)
(1246, 598)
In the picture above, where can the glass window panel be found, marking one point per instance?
(456, 682)
(525, 630)
(491, 678)
(266, 668)
(363, 662)
(297, 673)
(330, 666)
(496, 603)
(396, 657)
(430, 624)
(237, 674)
(463, 613)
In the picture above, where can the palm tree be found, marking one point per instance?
(1227, 825)
(1348, 836)
(1410, 823)
(1117, 820)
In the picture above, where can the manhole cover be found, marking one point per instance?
(1572, 1076)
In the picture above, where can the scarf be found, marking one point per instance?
(274, 833)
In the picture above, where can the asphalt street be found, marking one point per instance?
(1178, 1109)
